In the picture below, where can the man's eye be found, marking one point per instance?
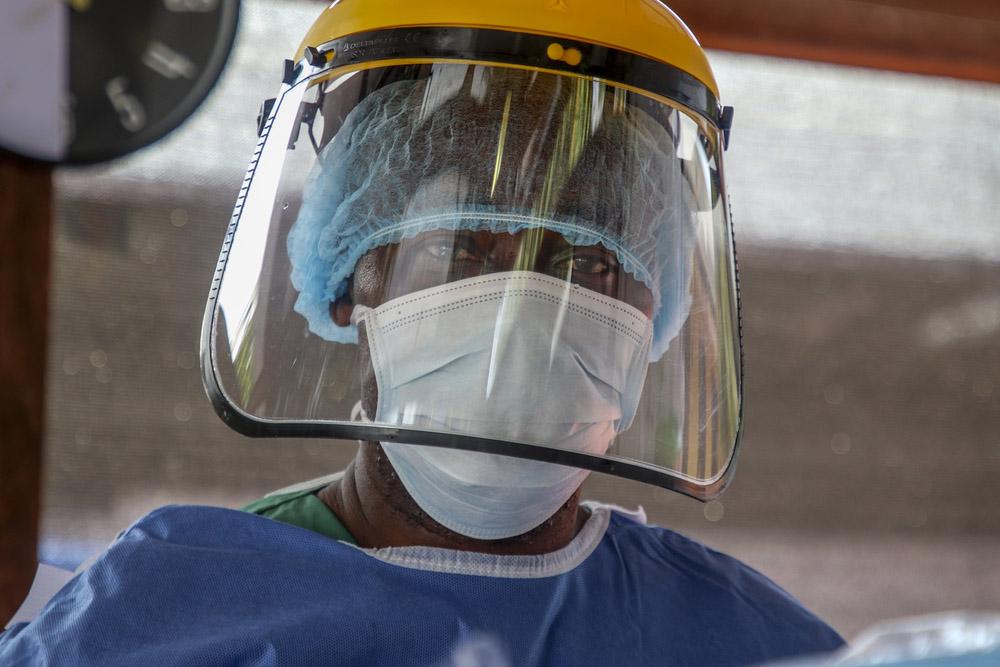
(462, 255)
(584, 262)
(445, 251)
(439, 250)
(589, 265)
(593, 263)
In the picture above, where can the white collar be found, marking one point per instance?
(563, 560)
(489, 565)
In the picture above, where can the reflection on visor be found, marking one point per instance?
(402, 181)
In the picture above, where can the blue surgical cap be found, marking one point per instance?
(421, 155)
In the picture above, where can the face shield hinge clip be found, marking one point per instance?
(726, 124)
(314, 57)
(291, 72)
(264, 114)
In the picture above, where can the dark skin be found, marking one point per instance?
(370, 500)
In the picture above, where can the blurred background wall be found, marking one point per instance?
(867, 213)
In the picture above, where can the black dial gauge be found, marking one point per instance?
(134, 71)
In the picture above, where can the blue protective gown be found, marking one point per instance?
(208, 586)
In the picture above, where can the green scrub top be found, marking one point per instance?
(303, 509)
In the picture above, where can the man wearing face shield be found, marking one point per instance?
(491, 244)
(501, 272)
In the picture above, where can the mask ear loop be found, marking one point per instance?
(359, 313)
(357, 317)
(358, 414)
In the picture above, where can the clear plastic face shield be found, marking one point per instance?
(485, 258)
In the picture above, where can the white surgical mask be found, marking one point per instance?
(516, 356)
